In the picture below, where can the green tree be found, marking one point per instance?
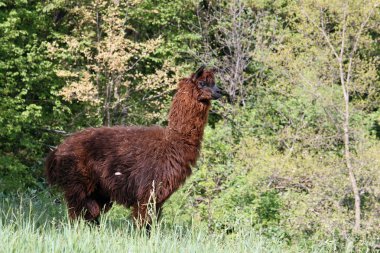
(106, 65)
(29, 108)
(351, 21)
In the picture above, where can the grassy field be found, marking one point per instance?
(31, 224)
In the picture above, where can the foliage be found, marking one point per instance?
(28, 106)
(289, 194)
(102, 66)
(272, 156)
(39, 229)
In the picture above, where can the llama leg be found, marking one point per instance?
(80, 205)
(95, 205)
(140, 214)
(162, 196)
(159, 211)
(74, 204)
(103, 201)
(142, 217)
(146, 204)
(91, 211)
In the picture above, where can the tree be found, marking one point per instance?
(351, 23)
(29, 108)
(323, 84)
(103, 66)
(228, 39)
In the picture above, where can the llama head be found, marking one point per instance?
(203, 83)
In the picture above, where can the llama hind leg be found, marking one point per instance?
(81, 206)
(74, 201)
(96, 204)
(91, 210)
(103, 201)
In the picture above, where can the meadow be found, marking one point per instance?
(37, 223)
(290, 155)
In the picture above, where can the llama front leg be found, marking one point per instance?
(159, 211)
(140, 214)
(143, 214)
(150, 207)
(143, 218)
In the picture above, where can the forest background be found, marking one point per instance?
(293, 151)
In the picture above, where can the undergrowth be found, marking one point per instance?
(39, 223)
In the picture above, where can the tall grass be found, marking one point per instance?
(33, 224)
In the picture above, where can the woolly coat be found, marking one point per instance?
(98, 166)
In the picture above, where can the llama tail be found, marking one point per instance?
(51, 168)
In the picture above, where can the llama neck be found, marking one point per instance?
(188, 117)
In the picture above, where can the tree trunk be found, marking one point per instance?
(347, 153)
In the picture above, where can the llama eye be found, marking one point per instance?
(202, 84)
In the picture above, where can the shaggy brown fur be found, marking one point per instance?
(98, 166)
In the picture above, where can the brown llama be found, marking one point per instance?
(98, 166)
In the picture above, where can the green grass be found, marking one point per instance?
(33, 224)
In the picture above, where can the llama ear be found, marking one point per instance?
(199, 72)
(215, 70)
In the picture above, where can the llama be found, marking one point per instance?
(99, 166)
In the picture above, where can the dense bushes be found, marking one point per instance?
(290, 195)
(272, 158)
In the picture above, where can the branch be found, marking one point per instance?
(56, 131)
(160, 95)
(322, 30)
(357, 38)
(343, 32)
